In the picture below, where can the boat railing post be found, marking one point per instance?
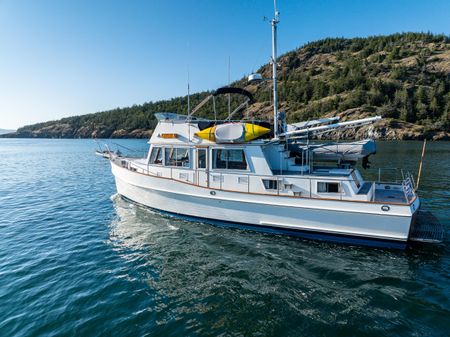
(373, 193)
(340, 189)
(310, 191)
(248, 183)
(278, 186)
(411, 176)
(303, 163)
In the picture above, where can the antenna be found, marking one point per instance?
(275, 22)
(188, 83)
(229, 80)
(188, 93)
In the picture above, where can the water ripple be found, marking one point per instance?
(77, 260)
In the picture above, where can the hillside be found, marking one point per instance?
(404, 77)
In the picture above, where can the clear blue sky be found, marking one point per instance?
(65, 57)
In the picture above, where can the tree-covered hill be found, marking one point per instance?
(404, 77)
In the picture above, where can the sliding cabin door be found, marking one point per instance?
(202, 164)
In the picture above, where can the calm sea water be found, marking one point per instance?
(77, 261)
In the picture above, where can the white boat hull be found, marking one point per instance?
(309, 215)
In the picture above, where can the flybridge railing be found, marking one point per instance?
(285, 185)
(388, 174)
(218, 120)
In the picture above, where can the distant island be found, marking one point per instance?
(403, 77)
(6, 131)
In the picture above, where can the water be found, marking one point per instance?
(77, 261)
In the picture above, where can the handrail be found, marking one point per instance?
(404, 187)
(106, 146)
(398, 172)
(127, 148)
(236, 172)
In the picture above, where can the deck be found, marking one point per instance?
(383, 195)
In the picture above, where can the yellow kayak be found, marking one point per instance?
(207, 134)
(232, 132)
(253, 131)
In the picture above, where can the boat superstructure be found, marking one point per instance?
(268, 175)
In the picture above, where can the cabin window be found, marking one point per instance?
(201, 158)
(270, 184)
(177, 156)
(156, 156)
(229, 159)
(326, 187)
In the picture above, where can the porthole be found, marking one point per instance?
(212, 192)
(385, 208)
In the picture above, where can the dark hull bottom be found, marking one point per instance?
(336, 238)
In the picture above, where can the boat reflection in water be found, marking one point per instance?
(206, 277)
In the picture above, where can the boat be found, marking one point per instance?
(269, 176)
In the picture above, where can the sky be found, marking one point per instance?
(62, 58)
